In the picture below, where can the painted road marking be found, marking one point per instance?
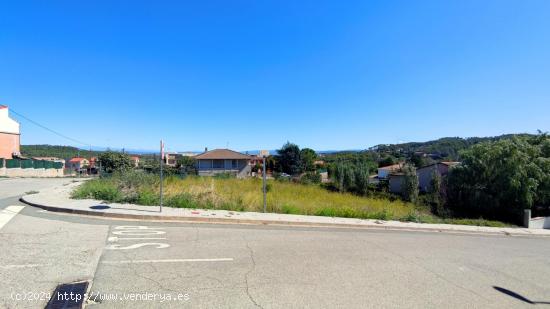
(8, 213)
(21, 266)
(115, 239)
(141, 232)
(156, 245)
(168, 261)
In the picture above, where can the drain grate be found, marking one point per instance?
(68, 296)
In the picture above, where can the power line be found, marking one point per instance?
(48, 129)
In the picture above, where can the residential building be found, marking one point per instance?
(77, 164)
(9, 135)
(385, 171)
(395, 182)
(93, 162)
(210, 163)
(170, 159)
(425, 174)
(135, 160)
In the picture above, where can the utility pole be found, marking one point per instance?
(161, 162)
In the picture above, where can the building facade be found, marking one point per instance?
(9, 135)
(220, 161)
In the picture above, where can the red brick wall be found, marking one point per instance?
(9, 143)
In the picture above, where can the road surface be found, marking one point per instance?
(137, 264)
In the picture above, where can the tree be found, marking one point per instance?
(308, 157)
(342, 174)
(437, 194)
(387, 161)
(289, 159)
(186, 165)
(361, 179)
(115, 162)
(410, 183)
(498, 180)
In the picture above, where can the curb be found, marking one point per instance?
(210, 220)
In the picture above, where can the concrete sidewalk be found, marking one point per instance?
(58, 199)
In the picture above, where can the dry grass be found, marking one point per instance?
(246, 195)
(283, 197)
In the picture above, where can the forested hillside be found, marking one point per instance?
(63, 152)
(446, 147)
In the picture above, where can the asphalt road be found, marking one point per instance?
(153, 264)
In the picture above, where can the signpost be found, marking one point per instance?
(161, 162)
(264, 154)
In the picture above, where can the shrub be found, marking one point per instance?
(182, 200)
(99, 190)
(310, 178)
(115, 161)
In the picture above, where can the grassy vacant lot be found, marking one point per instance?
(246, 195)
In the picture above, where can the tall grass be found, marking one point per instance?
(238, 195)
(246, 195)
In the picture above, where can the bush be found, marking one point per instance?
(115, 162)
(99, 190)
(182, 200)
(310, 178)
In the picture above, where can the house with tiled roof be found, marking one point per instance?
(218, 161)
(77, 164)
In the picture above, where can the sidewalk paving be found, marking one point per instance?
(58, 199)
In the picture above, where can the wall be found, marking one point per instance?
(7, 125)
(31, 172)
(396, 184)
(535, 223)
(9, 143)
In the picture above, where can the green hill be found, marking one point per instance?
(63, 152)
(446, 147)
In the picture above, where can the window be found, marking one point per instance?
(234, 164)
(217, 163)
(205, 164)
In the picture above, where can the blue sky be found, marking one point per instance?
(254, 74)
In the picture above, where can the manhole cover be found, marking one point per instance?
(68, 296)
(100, 207)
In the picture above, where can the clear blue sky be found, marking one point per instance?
(254, 74)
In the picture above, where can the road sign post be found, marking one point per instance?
(161, 162)
(264, 154)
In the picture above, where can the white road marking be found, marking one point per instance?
(21, 266)
(156, 245)
(115, 239)
(8, 213)
(168, 261)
